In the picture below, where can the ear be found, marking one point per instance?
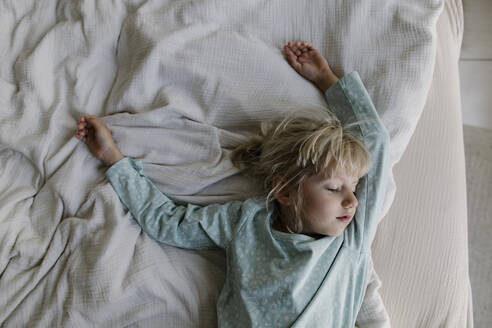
(285, 196)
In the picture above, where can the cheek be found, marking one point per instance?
(322, 204)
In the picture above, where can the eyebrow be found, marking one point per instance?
(338, 179)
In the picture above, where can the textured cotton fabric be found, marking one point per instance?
(276, 279)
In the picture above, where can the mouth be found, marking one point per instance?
(345, 218)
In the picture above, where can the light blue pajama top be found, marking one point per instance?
(276, 279)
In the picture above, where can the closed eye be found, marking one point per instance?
(337, 190)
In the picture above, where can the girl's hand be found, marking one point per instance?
(310, 63)
(96, 135)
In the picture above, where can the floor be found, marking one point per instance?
(476, 85)
(478, 153)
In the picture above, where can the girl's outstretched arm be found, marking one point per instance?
(191, 226)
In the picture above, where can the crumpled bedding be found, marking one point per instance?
(180, 84)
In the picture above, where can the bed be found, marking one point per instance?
(421, 248)
(180, 84)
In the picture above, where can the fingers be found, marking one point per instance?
(297, 53)
(298, 48)
(305, 46)
(86, 123)
(82, 134)
(292, 58)
(81, 130)
(301, 45)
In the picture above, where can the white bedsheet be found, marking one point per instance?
(180, 84)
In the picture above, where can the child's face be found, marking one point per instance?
(326, 199)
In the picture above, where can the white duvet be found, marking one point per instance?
(180, 83)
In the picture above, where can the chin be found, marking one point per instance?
(336, 234)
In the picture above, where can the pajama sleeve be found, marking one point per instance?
(350, 102)
(191, 226)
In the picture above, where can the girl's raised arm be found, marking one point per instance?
(350, 102)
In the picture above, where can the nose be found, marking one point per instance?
(350, 201)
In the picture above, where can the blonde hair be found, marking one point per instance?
(297, 148)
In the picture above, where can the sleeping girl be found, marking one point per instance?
(300, 254)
